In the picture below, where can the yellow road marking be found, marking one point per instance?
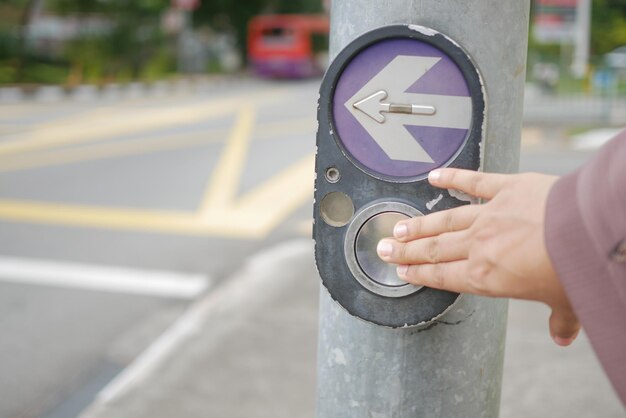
(277, 198)
(224, 181)
(144, 146)
(252, 216)
(58, 123)
(82, 215)
(9, 112)
(11, 130)
(97, 127)
(111, 150)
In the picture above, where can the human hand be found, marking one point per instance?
(494, 249)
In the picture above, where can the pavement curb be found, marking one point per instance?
(114, 91)
(238, 301)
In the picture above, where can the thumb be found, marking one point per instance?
(564, 326)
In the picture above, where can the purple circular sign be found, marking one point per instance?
(402, 108)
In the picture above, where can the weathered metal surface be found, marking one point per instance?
(452, 368)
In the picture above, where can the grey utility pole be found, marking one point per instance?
(453, 367)
(581, 38)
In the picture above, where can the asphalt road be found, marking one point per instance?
(183, 186)
(103, 202)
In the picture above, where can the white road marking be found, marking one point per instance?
(236, 297)
(167, 284)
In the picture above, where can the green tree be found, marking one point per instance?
(20, 14)
(135, 38)
(608, 31)
(132, 47)
(608, 25)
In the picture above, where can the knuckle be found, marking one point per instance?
(479, 235)
(483, 229)
(474, 230)
(413, 273)
(432, 250)
(439, 275)
(401, 252)
(479, 274)
(475, 183)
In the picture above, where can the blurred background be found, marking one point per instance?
(156, 169)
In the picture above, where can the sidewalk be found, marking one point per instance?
(248, 350)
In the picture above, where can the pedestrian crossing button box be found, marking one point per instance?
(395, 104)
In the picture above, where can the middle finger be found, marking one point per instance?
(446, 247)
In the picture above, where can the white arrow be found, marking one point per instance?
(404, 109)
(374, 107)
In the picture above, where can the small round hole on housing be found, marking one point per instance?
(336, 209)
(332, 174)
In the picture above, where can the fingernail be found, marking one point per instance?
(434, 175)
(384, 249)
(400, 230)
(563, 342)
(401, 271)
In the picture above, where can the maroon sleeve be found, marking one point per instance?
(586, 241)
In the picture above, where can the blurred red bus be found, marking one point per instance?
(289, 46)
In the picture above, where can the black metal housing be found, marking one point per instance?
(366, 188)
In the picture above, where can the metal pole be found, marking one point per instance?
(581, 51)
(183, 42)
(454, 367)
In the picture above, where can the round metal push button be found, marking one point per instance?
(376, 228)
(367, 228)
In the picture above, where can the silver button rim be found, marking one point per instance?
(350, 248)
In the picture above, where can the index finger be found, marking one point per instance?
(484, 185)
(449, 220)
